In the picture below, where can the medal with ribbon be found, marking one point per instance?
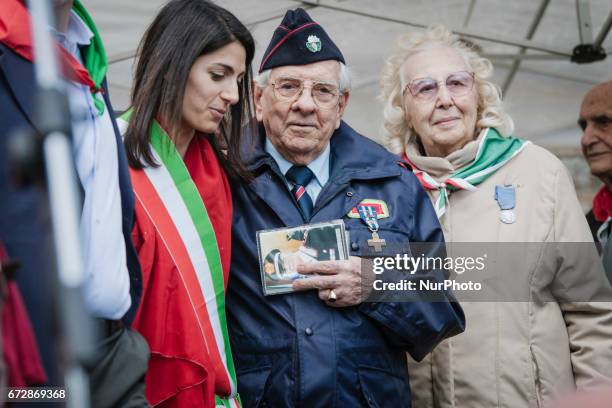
(506, 199)
(369, 216)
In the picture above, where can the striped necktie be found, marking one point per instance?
(300, 176)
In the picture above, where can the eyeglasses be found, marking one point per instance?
(325, 95)
(425, 89)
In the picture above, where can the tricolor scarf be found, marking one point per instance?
(494, 151)
(176, 209)
(15, 33)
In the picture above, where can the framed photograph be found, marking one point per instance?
(282, 250)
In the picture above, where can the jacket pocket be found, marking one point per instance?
(381, 388)
(535, 372)
(252, 385)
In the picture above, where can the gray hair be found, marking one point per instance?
(262, 80)
(396, 132)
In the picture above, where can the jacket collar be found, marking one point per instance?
(19, 73)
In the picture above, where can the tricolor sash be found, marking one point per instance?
(172, 202)
(494, 151)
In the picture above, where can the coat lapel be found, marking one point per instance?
(270, 189)
(18, 74)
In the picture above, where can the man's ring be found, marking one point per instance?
(332, 296)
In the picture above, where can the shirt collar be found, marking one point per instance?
(77, 31)
(319, 166)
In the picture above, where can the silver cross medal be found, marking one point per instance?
(376, 242)
(369, 216)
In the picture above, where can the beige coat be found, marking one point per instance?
(516, 355)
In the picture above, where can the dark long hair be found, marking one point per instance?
(183, 31)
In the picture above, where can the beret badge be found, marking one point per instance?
(313, 44)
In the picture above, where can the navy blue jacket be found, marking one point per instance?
(293, 349)
(21, 226)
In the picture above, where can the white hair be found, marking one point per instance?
(262, 80)
(396, 132)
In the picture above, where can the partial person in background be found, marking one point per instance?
(596, 123)
(111, 270)
(447, 120)
(24, 217)
(190, 96)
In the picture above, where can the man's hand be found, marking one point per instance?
(344, 277)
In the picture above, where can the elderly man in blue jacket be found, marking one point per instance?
(322, 345)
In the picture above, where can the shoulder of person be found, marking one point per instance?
(381, 157)
(368, 147)
(538, 160)
(6, 51)
(545, 173)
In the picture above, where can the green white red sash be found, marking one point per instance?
(494, 151)
(172, 201)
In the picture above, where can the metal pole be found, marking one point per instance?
(605, 29)
(532, 29)
(538, 57)
(583, 13)
(470, 11)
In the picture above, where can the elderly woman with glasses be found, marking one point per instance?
(447, 121)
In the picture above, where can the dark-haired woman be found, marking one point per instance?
(189, 98)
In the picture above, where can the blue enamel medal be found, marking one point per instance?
(369, 216)
(506, 199)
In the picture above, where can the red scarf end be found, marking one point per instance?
(602, 204)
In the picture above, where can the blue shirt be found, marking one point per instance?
(319, 166)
